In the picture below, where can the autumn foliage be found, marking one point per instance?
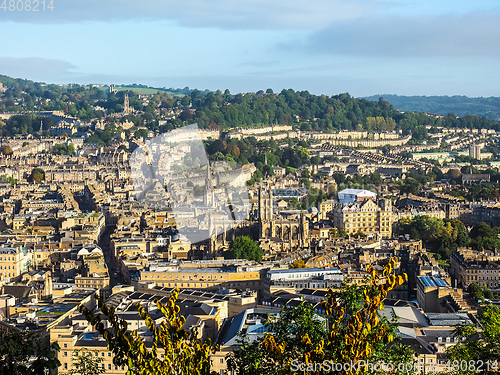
(183, 353)
(355, 334)
(353, 338)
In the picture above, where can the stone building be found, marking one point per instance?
(468, 266)
(13, 262)
(435, 295)
(364, 216)
(242, 277)
(291, 227)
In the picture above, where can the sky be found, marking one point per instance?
(364, 47)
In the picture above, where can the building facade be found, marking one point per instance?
(469, 267)
(13, 262)
(365, 216)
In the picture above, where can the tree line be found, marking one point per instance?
(225, 110)
(443, 105)
(444, 236)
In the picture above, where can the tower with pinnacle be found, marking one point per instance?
(126, 105)
(209, 199)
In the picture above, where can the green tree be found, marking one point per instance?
(218, 145)
(85, 362)
(141, 133)
(62, 149)
(442, 236)
(5, 178)
(482, 230)
(351, 331)
(316, 160)
(343, 233)
(454, 174)
(298, 263)
(244, 248)
(6, 150)
(484, 237)
(267, 170)
(184, 353)
(410, 186)
(234, 150)
(292, 324)
(37, 175)
(306, 182)
(475, 291)
(26, 353)
(475, 347)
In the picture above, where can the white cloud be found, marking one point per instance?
(472, 35)
(36, 68)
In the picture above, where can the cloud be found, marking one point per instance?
(259, 64)
(36, 68)
(403, 36)
(223, 14)
(62, 72)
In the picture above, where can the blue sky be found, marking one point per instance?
(364, 47)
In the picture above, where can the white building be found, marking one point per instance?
(301, 273)
(352, 195)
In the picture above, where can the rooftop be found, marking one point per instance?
(432, 281)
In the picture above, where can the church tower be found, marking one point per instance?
(209, 199)
(265, 201)
(270, 202)
(266, 209)
(126, 105)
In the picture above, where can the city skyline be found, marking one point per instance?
(363, 47)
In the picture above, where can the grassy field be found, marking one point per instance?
(142, 90)
(139, 90)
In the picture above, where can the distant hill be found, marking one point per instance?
(144, 89)
(137, 88)
(443, 105)
(223, 110)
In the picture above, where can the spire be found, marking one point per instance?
(262, 201)
(270, 202)
(126, 105)
(209, 188)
